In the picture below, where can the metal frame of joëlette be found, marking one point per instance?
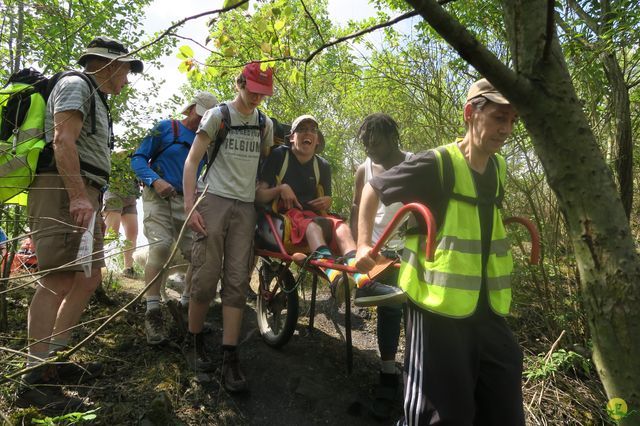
(422, 212)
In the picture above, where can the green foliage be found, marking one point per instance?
(542, 366)
(68, 419)
(230, 3)
(55, 33)
(123, 180)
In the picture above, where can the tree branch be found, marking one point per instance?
(169, 30)
(582, 14)
(315, 24)
(358, 34)
(470, 49)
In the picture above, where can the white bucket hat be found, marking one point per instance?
(203, 101)
(105, 47)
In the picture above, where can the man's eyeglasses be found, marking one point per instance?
(313, 130)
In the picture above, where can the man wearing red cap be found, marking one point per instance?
(462, 363)
(224, 221)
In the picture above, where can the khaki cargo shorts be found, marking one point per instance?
(163, 220)
(56, 238)
(228, 247)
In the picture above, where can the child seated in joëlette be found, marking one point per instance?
(299, 181)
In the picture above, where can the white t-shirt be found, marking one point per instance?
(384, 214)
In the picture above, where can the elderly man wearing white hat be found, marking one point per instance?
(64, 198)
(159, 164)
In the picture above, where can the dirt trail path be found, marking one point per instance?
(303, 383)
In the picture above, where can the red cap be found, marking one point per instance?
(258, 81)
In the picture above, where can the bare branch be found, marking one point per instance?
(176, 35)
(360, 33)
(470, 49)
(306, 11)
(169, 30)
(62, 356)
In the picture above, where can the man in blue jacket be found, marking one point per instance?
(158, 163)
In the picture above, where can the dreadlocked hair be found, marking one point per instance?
(379, 126)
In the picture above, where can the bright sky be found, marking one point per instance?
(161, 13)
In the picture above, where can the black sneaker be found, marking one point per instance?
(45, 394)
(233, 378)
(75, 373)
(195, 353)
(386, 396)
(378, 294)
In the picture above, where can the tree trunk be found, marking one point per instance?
(17, 60)
(622, 119)
(542, 92)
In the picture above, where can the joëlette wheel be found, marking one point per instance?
(277, 304)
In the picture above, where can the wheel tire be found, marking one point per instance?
(277, 312)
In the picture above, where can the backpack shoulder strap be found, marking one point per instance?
(283, 168)
(223, 131)
(93, 89)
(279, 177)
(316, 173)
(175, 127)
(262, 124)
(319, 187)
(176, 130)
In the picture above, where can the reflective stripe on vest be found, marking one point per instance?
(450, 284)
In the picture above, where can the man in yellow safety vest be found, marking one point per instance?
(462, 363)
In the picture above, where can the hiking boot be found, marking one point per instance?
(232, 376)
(180, 314)
(75, 373)
(385, 396)
(129, 273)
(100, 296)
(195, 353)
(377, 294)
(337, 287)
(154, 327)
(45, 394)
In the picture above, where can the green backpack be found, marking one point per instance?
(23, 103)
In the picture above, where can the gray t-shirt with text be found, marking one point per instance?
(233, 173)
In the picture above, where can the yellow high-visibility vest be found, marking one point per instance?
(19, 154)
(450, 284)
